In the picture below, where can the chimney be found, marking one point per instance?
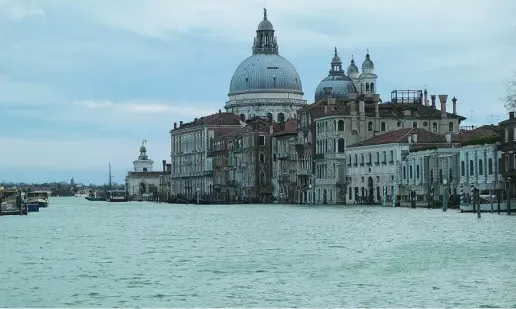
(202, 118)
(443, 98)
(376, 99)
(175, 125)
(454, 101)
(180, 123)
(195, 120)
(220, 111)
(511, 115)
(433, 96)
(164, 165)
(447, 136)
(169, 167)
(426, 97)
(414, 138)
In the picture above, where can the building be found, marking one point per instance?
(142, 180)
(192, 168)
(508, 152)
(265, 84)
(284, 162)
(249, 162)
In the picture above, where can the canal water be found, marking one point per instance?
(94, 254)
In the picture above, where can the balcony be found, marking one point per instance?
(283, 156)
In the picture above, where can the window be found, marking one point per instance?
(489, 166)
(434, 127)
(378, 157)
(462, 169)
(370, 158)
(431, 176)
(399, 124)
(383, 127)
(262, 158)
(261, 140)
(481, 167)
(471, 167)
(281, 117)
(514, 133)
(506, 135)
(506, 163)
(341, 145)
(370, 126)
(262, 178)
(410, 172)
(404, 173)
(392, 156)
(414, 124)
(341, 125)
(384, 156)
(441, 176)
(144, 169)
(450, 176)
(450, 127)
(417, 171)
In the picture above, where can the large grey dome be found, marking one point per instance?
(265, 73)
(341, 84)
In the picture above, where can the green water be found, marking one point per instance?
(94, 254)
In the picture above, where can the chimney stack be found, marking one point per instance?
(376, 99)
(164, 165)
(511, 115)
(195, 120)
(443, 98)
(220, 111)
(426, 97)
(433, 96)
(454, 101)
(180, 123)
(175, 125)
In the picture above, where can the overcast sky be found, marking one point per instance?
(83, 82)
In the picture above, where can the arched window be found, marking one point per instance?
(480, 167)
(471, 167)
(262, 158)
(490, 166)
(414, 124)
(410, 172)
(450, 127)
(263, 180)
(341, 145)
(370, 126)
(462, 169)
(281, 117)
(404, 173)
(417, 171)
(399, 124)
(372, 87)
(383, 127)
(242, 117)
(269, 116)
(367, 87)
(434, 127)
(341, 125)
(370, 158)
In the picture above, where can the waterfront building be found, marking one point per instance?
(219, 152)
(265, 84)
(142, 180)
(192, 168)
(284, 162)
(249, 161)
(508, 152)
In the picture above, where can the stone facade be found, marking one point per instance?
(143, 180)
(284, 163)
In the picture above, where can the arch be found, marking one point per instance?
(263, 179)
(370, 187)
(372, 87)
(340, 125)
(281, 117)
(341, 145)
(383, 126)
(262, 158)
(480, 167)
(434, 127)
(242, 117)
(370, 158)
(399, 124)
(414, 124)
(370, 126)
(450, 126)
(367, 87)
(489, 166)
(471, 167)
(143, 188)
(269, 116)
(325, 196)
(462, 168)
(410, 171)
(404, 172)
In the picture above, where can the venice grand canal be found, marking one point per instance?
(83, 254)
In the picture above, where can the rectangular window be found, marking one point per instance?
(514, 133)
(506, 134)
(261, 140)
(506, 163)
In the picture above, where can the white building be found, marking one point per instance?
(265, 84)
(142, 179)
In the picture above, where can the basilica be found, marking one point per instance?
(234, 155)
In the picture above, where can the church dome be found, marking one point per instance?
(265, 73)
(340, 84)
(367, 64)
(265, 70)
(143, 149)
(352, 68)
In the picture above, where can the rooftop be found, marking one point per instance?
(424, 137)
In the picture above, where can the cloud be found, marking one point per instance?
(14, 92)
(15, 11)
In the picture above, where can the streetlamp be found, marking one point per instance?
(445, 194)
(310, 194)
(198, 196)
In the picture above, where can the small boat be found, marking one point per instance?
(116, 196)
(37, 197)
(11, 202)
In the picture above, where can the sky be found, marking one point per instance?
(84, 82)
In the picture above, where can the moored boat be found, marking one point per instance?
(32, 207)
(37, 197)
(116, 196)
(11, 203)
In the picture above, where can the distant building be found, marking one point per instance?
(508, 152)
(284, 163)
(142, 180)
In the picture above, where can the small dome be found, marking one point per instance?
(341, 86)
(367, 64)
(265, 24)
(352, 68)
(143, 149)
(265, 73)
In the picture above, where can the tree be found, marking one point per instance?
(509, 99)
